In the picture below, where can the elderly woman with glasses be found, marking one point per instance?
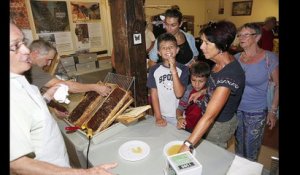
(260, 66)
(225, 86)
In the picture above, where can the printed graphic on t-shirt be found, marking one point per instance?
(167, 81)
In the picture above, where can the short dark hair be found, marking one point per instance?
(42, 46)
(200, 69)
(174, 13)
(271, 19)
(166, 37)
(253, 26)
(221, 33)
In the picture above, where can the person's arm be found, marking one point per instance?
(25, 165)
(153, 57)
(49, 94)
(75, 87)
(216, 103)
(156, 108)
(181, 122)
(192, 61)
(194, 97)
(178, 86)
(151, 46)
(271, 117)
(183, 104)
(152, 38)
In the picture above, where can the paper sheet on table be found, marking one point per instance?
(245, 167)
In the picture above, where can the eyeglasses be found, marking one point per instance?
(15, 47)
(246, 35)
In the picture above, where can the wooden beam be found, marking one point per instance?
(128, 18)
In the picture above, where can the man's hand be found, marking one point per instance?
(102, 169)
(103, 90)
(60, 114)
(50, 92)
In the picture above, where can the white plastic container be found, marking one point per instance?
(169, 169)
(183, 164)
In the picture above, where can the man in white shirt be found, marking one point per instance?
(36, 143)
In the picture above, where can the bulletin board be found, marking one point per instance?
(70, 25)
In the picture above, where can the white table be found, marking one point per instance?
(214, 159)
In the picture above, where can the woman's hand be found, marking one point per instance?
(196, 95)
(271, 120)
(184, 148)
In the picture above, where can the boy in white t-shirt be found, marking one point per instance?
(167, 81)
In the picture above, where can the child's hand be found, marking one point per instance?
(161, 122)
(181, 123)
(172, 61)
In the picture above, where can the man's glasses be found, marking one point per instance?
(15, 47)
(246, 35)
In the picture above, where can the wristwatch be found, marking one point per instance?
(189, 144)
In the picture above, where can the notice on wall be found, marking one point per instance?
(50, 16)
(61, 40)
(96, 36)
(83, 11)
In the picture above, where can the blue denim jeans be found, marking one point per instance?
(249, 133)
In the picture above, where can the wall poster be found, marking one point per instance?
(50, 16)
(83, 11)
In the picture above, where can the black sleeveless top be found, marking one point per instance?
(185, 53)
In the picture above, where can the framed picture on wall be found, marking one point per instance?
(241, 8)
